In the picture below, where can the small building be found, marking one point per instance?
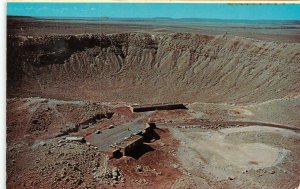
(130, 144)
(153, 107)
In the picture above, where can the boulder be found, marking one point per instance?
(75, 139)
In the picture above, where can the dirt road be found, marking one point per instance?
(220, 124)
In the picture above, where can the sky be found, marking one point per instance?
(152, 10)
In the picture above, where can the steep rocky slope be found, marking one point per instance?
(143, 68)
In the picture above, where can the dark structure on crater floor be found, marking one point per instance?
(153, 107)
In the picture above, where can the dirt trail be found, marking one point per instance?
(221, 124)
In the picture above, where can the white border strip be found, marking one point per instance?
(3, 95)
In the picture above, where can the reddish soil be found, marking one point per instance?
(168, 116)
(121, 115)
(42, 164)
(158, 165)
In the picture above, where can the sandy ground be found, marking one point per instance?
(279, 111)
(240, 157)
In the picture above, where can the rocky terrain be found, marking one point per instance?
(41, 155)
(223, 68)
(240, 129)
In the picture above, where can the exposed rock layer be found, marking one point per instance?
(145, 68)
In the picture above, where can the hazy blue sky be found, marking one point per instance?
(146, 10)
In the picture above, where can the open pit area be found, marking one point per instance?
(151, 105)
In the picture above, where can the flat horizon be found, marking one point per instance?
(149, 18)
(220, 11)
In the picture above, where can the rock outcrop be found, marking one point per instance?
(139, 67)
